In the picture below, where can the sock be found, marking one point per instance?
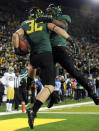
(37, 106)
(7, 106)
(10, 106)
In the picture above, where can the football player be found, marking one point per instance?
(59, 52)
(41, 57)
(8, 81)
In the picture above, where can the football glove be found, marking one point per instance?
(71, 40)
(44, 19)
(74, 44)
(18, 51)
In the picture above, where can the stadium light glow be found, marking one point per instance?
(95, 1)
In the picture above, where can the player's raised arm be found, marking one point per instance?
(58, 30)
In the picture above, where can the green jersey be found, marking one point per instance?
(57, 40)
(37, 36)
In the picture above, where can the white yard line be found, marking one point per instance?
(69, 113)
(10, 113)
(66, 106)
(54, 107)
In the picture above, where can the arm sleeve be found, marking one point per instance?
(23, 75)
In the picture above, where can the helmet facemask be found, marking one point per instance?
(53, 10)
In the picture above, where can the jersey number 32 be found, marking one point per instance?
(34, 27)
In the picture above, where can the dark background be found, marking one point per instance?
(23, 4)
(84, 14)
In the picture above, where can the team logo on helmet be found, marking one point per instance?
(35, 12)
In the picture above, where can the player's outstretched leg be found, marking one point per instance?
(95, 98)
(67, 63)
(51, 101)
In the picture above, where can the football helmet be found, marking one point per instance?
(35, 12)
(54, 10)
(11, 69)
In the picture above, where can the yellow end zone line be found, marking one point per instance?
(20, 123)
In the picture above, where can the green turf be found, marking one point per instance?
(65, 102)
(77, 109)
(71, 101)
(74, 122)
(21, 115)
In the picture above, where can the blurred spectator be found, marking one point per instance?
(79, 92)
(97, 86)
(63, 87)
(1, 92)
(73, 86)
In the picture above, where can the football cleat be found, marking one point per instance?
(31, 117)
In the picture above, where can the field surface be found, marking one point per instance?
(76, 118)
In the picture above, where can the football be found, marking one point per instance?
(23, 45)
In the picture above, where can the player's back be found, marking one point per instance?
(37, 35)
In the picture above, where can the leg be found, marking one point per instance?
(17, 98)
(11, 99)
(47, 78)
(8, 99)
(33, 95)
(40, 99)
(31, 76)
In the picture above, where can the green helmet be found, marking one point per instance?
(35, 12)
(54, 10)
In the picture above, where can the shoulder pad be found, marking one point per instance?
(67, 18)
